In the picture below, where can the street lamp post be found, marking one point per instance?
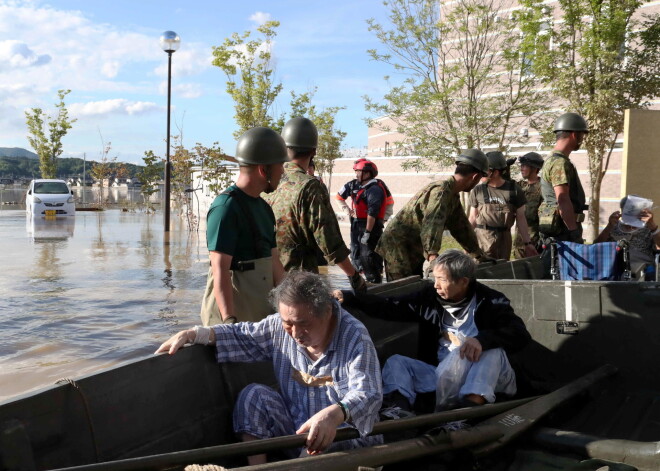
(169, 42)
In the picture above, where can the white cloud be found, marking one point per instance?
(119, 106)
(16, 55)
(110, 69)
(186, 62)
(183, 90)
(260, 18)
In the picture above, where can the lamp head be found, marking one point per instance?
(170, 41)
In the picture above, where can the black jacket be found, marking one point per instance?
(499, 326)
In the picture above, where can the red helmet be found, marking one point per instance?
(357, 162)
(367, 165)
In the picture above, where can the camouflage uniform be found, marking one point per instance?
(559, 170)
(533, 195)
(305, 221)
(416, 230)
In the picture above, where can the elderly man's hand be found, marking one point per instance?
(177, 341)
(321, 429)
(614, 218)
(338, 295)
(471, 349)
(647, 217)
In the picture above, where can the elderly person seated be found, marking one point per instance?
(324, 360)
(473, 327)
(643, 240)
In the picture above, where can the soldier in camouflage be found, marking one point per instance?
(561, 212)
(414, 235)
(530, 165)
(304, 216)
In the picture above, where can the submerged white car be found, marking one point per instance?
(49, 198)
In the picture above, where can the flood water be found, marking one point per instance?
(87, 293)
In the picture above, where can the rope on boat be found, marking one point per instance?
(92, 432)
(204, 467)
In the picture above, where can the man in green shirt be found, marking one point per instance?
(561, 213)
(245, 263)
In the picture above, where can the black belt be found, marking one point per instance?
(241, 266)
(491, 228)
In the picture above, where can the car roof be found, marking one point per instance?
(39, 180)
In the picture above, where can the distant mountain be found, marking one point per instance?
(17, 152)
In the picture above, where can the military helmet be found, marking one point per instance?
(300, 133)
(571, 122)
(496, 160)
(260, 146)
(474, 158)
(532, 159)
(367, 165)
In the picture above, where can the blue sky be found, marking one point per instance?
(107, 53)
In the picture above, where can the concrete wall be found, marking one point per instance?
(640, 173)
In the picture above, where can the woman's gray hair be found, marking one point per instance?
(457, 264)
(302, 288)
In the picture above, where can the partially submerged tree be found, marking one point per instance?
(600, 58)
(249, 70)
(46, 134)
(466, 82)
(149, 177)
(102, 170)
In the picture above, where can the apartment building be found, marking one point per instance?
(623, 175)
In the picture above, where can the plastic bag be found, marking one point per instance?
(450, 377)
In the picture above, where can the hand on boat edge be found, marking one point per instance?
(177, 341)
(321, 429)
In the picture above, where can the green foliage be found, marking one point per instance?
(465, 82)
(602, 58)
(45, 134)
(149, 176)
(213, 161)
(247, 64)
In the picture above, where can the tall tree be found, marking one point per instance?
(45, 134)
(600, 57)
(466, 82)
(249, 69)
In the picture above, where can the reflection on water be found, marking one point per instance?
(84, 294)
(87, 196)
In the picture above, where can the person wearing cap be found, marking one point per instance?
(303, 212)
(240, 235)
(561, 212)
(494, 206)
(530, 165)
(350, 190)
(643, 241)
(414, 235)
(370, 205)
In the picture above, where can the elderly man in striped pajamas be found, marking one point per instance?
(325, 362)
